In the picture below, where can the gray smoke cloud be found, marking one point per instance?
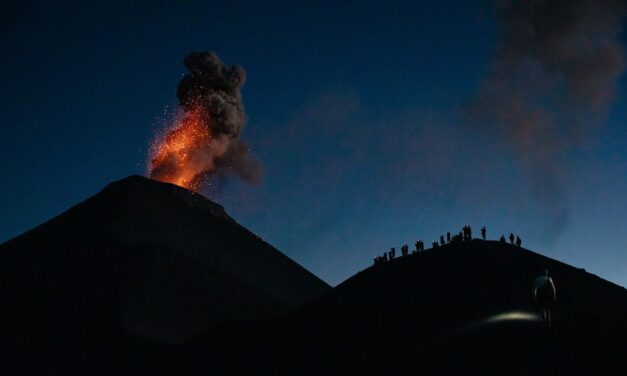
(215, 87)
(552, 79)
(210, 94)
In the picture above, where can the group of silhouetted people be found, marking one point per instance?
(511, 239)
(465, 235)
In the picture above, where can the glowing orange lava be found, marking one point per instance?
(184, 155)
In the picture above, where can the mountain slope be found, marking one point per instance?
(146, 258)
(458, 308)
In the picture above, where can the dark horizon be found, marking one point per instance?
(364, 118)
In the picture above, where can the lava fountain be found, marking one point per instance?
(185, 156)
(206, 137)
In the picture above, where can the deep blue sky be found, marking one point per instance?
(353, 111)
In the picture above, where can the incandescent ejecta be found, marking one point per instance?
(205, 136)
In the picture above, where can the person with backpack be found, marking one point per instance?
(544, 295)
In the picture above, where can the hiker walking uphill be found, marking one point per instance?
(544, 295)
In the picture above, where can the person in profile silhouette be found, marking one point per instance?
(511, 238)
(448, 237)
(518, 241)
(483, 232)
(405, 250)
(442, 240)
(502, 239)
(544, 295)
(392, 253)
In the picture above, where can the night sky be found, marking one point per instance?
(362, 114)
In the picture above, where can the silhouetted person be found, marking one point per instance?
(385, 257)
(502, 239)
(469, 233)
(544, 295)
(392, 253)
(417, 245)
(448, 237)
(435, 244)
(422, 245)
(511, 238)
(405, 250)
(483, 232)
(442, 240)
(518, 241)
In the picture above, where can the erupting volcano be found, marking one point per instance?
(205, 137)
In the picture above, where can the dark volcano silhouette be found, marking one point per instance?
(459, 308)
(140, 265)
(150, 278)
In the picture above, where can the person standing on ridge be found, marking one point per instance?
(544, 295)
(448, 237)
(483, 232)
(511, 238)
(502, 239)
(518, 241)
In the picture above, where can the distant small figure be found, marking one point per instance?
(502, 239)
(448, 237)
(483, 231)
(420, 246)
(435, 244)
(544, 295)
(518, 241)
(392, 253)
(467, 233)
(442, 240)
(405, 250)
(385, 257)
(511, 238)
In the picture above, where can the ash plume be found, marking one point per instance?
(210, 128)
(551, 82)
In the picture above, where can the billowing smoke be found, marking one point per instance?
(552, 79)
(206, 138)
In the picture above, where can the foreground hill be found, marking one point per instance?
(140, 264)
(460, 308)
